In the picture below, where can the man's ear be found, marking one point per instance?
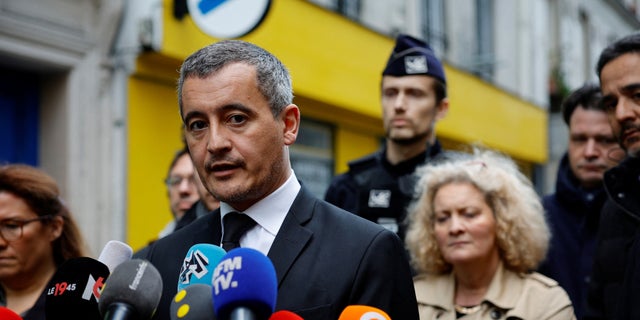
(442, 109)
(291, 119)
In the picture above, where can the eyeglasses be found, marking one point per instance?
(174, 181)
(11, 229)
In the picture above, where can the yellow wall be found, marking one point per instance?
(481, 112)
(352, 145)
(154, 135)
(335, 65)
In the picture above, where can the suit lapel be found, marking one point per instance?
(293, 236)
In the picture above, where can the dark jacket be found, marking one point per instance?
(325, 260)
(353, 190)
(36, 312)
(196, 211)
(614, 292)
(573, 214)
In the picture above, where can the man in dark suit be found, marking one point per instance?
(236, 104)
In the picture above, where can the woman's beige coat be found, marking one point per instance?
(510, 295)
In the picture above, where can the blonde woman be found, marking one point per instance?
(476, 230)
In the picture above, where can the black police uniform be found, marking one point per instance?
(378, 191)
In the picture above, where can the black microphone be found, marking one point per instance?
(132, 292)
(75, 289)
(194, 302)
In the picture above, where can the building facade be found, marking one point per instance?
(99, 111)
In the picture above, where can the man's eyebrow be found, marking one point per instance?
(626, 90)
(631, 87)
(226, 108)
(236, 106)
(191, 114)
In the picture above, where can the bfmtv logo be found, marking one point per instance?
(223, 274)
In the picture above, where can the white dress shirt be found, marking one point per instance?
(269, 213)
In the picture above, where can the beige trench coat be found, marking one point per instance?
(510, 295)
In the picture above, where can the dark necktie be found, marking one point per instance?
(235, 225)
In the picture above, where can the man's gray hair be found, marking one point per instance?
(274, 81)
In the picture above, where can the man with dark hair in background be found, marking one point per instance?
(413, 89)
(614, 292)
(573, 210)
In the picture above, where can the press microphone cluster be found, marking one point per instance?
(76, 286)
(238, 285)
(214, 284)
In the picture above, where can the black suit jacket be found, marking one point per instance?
(325, 259)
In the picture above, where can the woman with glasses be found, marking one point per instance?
(476, 232)
(37, 234)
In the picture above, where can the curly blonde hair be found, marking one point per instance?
(522, 233)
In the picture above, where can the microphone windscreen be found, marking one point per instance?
(135, 283)
(285, 315)
(360, 312)
(75, 286)
(8, 314)
(194, 302)
(198, 264)
(115, 253)
(244, 278)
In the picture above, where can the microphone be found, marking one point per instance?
(115, 253)
(75, 289)
(8, 314)
(244, 286)
(360, 312)
(194, 302)
(132, 292)
(285, 315)
(198, 264)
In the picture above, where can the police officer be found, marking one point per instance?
(379, 186)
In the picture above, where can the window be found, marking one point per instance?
(485, 55)
(433, 25)
(349, 8)
(312, 156)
